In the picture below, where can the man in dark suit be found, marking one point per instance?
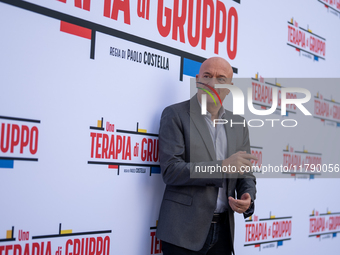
(197, 211)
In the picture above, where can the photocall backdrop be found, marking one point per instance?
(83, 85)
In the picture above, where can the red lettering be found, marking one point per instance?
(105, 145)
(290, 33)
(123, 156)
(99, 249)
(158, 247)
(207, 30)
(334, 222)
(257, 154)
(156, 148)
(193, 40)
(22, 235)
(107, 7)
(163, 30)
(219, 36)
(149, 149)
(106, 246)
(118, 145)
(4, 148)
(110, 127)
(15, 136)
(336, 112)
(35, 249)
(156, 244)
(16, 249)
(76, 247)
(27, 251)
(98, 145)
(178, 21)
(34, 140)
(69, 242)
(112, 148)
(247, 227)
(92, 248)
(8, 248)
(152, 234)
(93, 136)
(279, 98)
(210, 19)
(118, 5)
(232, 14)
(143, 152)
(24, 138)
(141, 11)
(128, 148)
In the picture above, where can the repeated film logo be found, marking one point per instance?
(132, 151)
(262, 95)
(324, 225)
(267, 232)
(327, 110)
(332, 6)
(19, 139)
(156, 244)
(301, 163)
(306, 42)
(62, 242)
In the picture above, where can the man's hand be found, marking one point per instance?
(240, 205)
(240, 160)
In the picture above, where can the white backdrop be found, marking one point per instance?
(83, 85)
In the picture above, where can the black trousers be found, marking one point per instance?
(218, 242)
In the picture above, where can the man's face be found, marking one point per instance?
(214, 71)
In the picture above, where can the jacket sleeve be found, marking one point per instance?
(246, 183)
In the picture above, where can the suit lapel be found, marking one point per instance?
(201, 125)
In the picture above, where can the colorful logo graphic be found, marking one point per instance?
(305, 41)
(324, 225)
(301, 164)
(266, 232)
(19, 139)
(85, 243)
(262, 92)
(119, 148)
(326, 109)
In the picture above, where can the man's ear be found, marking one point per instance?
(196, 77)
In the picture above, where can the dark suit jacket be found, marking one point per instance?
(189, 203)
